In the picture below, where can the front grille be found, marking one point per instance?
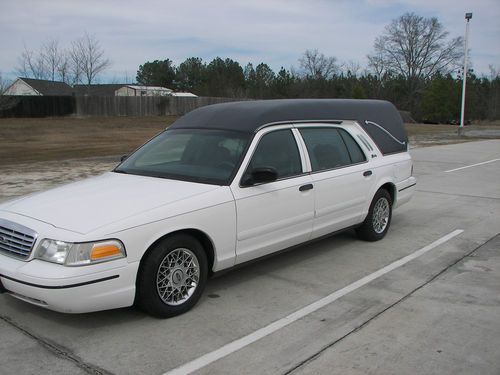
(16, 240)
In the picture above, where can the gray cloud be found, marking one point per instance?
(274, 31)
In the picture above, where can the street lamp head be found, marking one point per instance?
(468, 16)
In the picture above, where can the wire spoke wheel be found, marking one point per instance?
(178, 276)
(381, 213)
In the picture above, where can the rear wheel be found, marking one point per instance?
(172, 276)
(379, 216)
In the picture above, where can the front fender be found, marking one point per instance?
(221, 232)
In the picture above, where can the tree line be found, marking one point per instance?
(414, 63)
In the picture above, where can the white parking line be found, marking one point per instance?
(472, 165)
(240, 343)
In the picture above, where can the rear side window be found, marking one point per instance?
(279, 151)
(328, 148)
(355, 152)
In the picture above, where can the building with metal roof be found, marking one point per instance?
(137, 90)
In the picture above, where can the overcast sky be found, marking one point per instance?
(273, 31)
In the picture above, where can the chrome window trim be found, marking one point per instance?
(339, 167)
(365, 142)
(290, 128)
(298, 122)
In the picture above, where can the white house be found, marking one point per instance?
(38, 87)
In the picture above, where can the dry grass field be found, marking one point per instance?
(422, 135)
(29, 140)
(25, 140)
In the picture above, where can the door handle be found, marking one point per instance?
(306, 187)
(367, 173)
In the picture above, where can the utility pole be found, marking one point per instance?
(468, 16)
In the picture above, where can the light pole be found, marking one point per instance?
(468, 16)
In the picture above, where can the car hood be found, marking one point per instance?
(98, 201)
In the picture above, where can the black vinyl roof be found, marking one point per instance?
(379, 118)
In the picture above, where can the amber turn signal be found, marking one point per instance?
(104, 251)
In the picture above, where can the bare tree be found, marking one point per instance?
(351, 68)
(415, 48)
(31, 64)
(4, 99)
(494, 72)
(316, 65)
(377, 65)
(64, 69)
(4, 84)
(53, 57)
(87, 59)
(49, 62)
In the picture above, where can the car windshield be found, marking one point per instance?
(206, 156)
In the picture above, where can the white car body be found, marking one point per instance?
(238, 223)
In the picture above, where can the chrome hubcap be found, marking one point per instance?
(381, 212)
(177, 277)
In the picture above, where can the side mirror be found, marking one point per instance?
(261, 175)
(123, 158)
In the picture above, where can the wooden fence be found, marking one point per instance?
(140, 106)
(44, 106)
(36, 106)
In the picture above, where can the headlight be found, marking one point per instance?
(79, 254)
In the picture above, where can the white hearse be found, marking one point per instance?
(223, 185)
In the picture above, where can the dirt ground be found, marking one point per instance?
(36, 154)
(41, 139)
(421, 135)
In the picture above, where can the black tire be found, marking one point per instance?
(370, 229)
(150, 284)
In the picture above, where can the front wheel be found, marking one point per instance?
(172, 276)
(379, 216)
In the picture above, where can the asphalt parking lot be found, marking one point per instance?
(424, 300)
